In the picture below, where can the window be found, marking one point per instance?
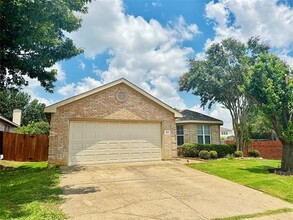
(180, 135)
(224, 132)
(203, 134)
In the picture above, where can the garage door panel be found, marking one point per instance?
(90, 135)
(113, 156)
(124, 136)
(76, 159)
(89, 126)
(113, 146)
(102, 135)
(135, 145)
(101, 146)
(125, 146)
(125, 156)
(76, 147)
(101, 157)
(135, 156)
(77, 135)
(107, 142)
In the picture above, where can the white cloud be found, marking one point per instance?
(84, 85)
(61, 76)
(185, 31)
(283, 54)
(144, 52)
(34, 85)
(66, 90)
(217, 12)
(32, 90)
(270, 20)
(218, 112)
(157, 4)
(81, 65)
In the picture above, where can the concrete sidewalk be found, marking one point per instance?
(157, 190)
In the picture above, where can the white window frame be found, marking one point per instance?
(204, 135)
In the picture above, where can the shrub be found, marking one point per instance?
(222, 149)
(230, 156)
(188, 150)
(40, 127)
(238, 154)
(253, 153)
(213, 154)
(204, 154)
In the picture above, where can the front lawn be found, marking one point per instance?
(252, 173)
(29, 191)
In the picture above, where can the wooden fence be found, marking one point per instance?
(24, 147)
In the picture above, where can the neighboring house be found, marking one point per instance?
(194, 127)
(7, 125)
(116, 122)
(226, 133)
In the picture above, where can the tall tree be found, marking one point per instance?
(270, 85)
(32, 111)
(10, 100)
(219, 78)
(259, 126)
(32, 39)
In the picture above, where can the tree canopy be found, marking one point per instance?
(10, 100)
(220, 76)
(270, 85)
(32, 110)
(259, 126)
(32, 39)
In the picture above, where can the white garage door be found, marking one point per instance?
(109, 142)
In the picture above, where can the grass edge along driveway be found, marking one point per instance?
(252, 173)
(29, 190)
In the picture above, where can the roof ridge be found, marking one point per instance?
(190, 115)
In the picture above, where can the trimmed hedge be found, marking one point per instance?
(192, 149)
(253, 153)
(204, 154)
(189, 151)
(238, 154)
(213, 154)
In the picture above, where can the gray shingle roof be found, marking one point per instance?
(189, 115)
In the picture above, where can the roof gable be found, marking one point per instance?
(193, 117)
(53, 108)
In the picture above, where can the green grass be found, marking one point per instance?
(266, 213)
(29, 191)
(252, 173)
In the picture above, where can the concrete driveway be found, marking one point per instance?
(157, 190)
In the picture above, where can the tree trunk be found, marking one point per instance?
(236, 134)
(287, 157)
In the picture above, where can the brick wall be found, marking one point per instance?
(104, 106)
(190, 132)
(267, 149)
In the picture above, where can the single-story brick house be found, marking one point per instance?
(116, 122)
(194, 127)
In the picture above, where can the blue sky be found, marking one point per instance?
(149, 42)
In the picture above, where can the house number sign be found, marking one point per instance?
(167, 132)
